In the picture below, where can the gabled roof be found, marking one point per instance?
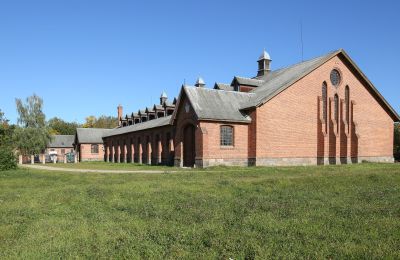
(394, 114)
(90, 135)
(149, 110)
(247, 81)
(169, 104)
(61, 141)
(280, 79)
(158, 122)
(215, 105)
(222, 86)
(142, 112)
(158, 107)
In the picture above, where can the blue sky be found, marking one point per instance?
(86, 57)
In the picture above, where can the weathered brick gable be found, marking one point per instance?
(287, 124)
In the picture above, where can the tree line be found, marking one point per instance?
(32, 133)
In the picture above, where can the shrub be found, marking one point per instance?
(7, 159)
(396, 150)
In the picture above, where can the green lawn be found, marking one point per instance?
(289, 212)
(112, 166)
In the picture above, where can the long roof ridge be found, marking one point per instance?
(240, 77)
(266, 92)
(308, 60)
(219, 91)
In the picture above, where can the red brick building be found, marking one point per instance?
(88, 143)
(59, 146)
(320, 111)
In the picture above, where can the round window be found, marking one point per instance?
(335, 77)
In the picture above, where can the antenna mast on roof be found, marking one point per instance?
(301, 40)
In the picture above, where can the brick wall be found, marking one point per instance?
(287, 130)
(151, 146)
(85, 153)
(60, 154)
(214, 153)
(287, 125)
(184, 118)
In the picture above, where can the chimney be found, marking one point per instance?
(264, 62)
(119, 108)
(200, 83)
(163, 98)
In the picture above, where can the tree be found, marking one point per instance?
(30, 113)
(60, 127)
(5, 131)
(7, 156)
(90, 121)
(101, 122)
(396, 150)
(32, 135)
(106, 122)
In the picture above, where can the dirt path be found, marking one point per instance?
(49, 168)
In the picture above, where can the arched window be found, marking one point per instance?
(324, 101)
(336, 108)
(226, 135)
(347, 100)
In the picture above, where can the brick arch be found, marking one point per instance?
(189, 145)
(182, 122)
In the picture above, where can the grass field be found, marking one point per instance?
(289, 212)
(113, 166)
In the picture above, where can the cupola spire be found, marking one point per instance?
(264, 62)
(163, 98)
(200, 83)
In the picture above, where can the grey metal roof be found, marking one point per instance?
(264, 56)
(61, 141)
(278, 80)
(248, 81)
(226, 105)
(142, 112)
(91, 135)
(200, 80)
(222, 86)
(158, 122)
(158, 107)
(212, 104)
(149, 110)
(169, 104)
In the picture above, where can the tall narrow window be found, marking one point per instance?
(226, 135)
(324, 101)
(347, 97)
(336, 108)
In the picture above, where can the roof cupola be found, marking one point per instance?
(163, 98)
(200, 83)
(264, 62)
